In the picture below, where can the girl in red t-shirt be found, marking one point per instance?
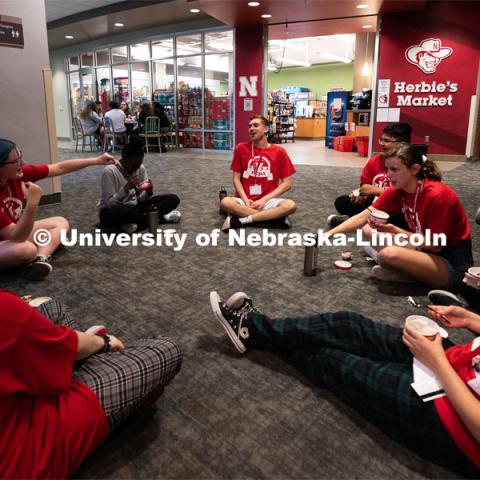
(430, 208)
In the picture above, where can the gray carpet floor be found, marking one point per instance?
(226, 416)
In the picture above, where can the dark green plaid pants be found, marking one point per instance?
(367, 366)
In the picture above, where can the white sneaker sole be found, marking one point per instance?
(214, 301)
(446, 294)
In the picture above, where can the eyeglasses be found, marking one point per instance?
(18, 160)
(386, 141)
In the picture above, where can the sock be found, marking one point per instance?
(245, 220)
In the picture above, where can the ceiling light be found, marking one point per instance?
(118, 24)
(296, 62)
(266, 15)
(195, 10)
(253, 4)
(362, 5)
(70, 37)
(367, 26)
(338, 58)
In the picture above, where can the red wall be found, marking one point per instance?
(248, 62)
(456, 25)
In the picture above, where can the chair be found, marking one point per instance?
(80, 134)
(169, 139)
(110, 133)
(151, 129)
(423, 147)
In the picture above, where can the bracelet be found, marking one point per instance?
(106, 345)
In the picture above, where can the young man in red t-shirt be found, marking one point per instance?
(19, 200)
(261, 174)
(373, 180)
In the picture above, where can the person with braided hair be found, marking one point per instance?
(427, 204)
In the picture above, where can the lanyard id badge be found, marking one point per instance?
(255, 189)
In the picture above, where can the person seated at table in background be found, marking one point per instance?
(91, 121)
(145, 111)
(427, 204)
(63, 391)
(127, 193)
(368, 366)
(373, 180)
(159, 111)
(117, 117)
(125, 109)
(99, 108)
(18, 224)
(261, 174)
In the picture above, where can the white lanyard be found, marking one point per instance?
(413, 216)
(255, 170)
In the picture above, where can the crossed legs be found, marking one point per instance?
(232, 206)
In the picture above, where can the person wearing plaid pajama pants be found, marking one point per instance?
(62, 391)
(127, 381)
(364, 363)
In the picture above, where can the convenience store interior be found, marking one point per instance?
(307, 64)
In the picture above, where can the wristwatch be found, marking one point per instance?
(106, 345)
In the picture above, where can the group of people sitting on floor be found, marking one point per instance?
(51, 370)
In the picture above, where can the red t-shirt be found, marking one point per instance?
(438, 209)
(450, 419)
(261, 168)
(48, 422)
(375, 173)
(11, 195)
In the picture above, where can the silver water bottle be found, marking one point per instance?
(152, 215)
(310, 260)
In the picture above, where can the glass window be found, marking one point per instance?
(164, 86)
(218, 78)
(141, 89)
(162, 48)
(219, 41)
(75, 94)
(119, 55)
(189, 91)
(73, 63)
(104, 87)
(103, 57)
(87, 77)
(189, 44)
(218, 140)
(190, 139)
(139, 51)
(87, 59)
(120, 83)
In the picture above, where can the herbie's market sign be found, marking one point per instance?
(426, 56)
(406, 98)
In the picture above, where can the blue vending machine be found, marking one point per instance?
(336, 115)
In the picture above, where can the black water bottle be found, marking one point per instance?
(310, 259)
(152, 215)
(221, 195)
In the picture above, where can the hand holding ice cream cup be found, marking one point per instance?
(377, 217)
(424, 326)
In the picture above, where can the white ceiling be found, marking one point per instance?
(56, 9)
(312, 51)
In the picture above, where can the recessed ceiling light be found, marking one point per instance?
(266, 15)
(118, 24)
(367, 26)
(253, 4)
(70, 37)
(195, 10)
(362, 5)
